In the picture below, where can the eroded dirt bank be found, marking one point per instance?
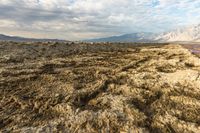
(99, 88)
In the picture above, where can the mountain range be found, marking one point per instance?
(186, 34)
(22, 39)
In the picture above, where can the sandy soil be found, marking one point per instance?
(80, 88)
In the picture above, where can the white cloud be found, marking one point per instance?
(79, 19)
(8, 24)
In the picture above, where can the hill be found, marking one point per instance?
(22, 39)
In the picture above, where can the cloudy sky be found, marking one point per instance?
(81, 19)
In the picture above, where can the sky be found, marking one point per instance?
(84, 19)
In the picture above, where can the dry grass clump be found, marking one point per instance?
(82, 88)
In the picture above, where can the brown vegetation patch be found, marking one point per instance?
(98, 88)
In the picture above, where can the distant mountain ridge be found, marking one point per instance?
(136, 37)
(187, 34)
(22, 39)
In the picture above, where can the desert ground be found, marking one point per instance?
(193, 48)
(99, 88)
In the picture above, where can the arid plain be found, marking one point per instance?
(51, 87)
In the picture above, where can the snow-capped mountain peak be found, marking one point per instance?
(188, 34)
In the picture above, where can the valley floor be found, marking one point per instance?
(99, 88)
